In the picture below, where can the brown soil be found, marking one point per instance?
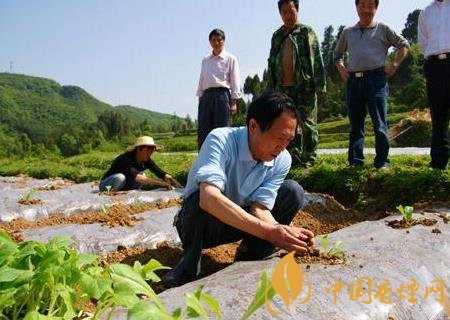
(54, 186)
(116, 215)
(402, 224)
(332, 216)
(168, 254)
(445, 217)
(29, 202)
(314, 256)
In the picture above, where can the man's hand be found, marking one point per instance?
(291, 238)
(172, 181)
(343, 72)
(233, 106)
(390, 69)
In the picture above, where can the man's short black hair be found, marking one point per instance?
(268, 107)
(281, 2)
(217, 32)
(376, 3)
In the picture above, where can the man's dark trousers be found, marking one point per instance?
(437, 73)
(368, 93)
(198, 229)
(213, 112)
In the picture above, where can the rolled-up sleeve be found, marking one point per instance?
(212, 160)
(396, 40)
(267, 193)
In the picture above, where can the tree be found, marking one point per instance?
(327, 45)
(410, 30)
(254, 86)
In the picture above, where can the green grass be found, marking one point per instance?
(409, 180)
(88, 167)
(334, 133)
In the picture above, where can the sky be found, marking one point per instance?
(147, 53)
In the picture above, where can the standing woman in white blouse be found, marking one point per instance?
(219, 87)
(434, 39)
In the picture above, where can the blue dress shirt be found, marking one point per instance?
(225, 161)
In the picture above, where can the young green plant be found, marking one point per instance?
(27, 196)
(406, 212)
(334, 251)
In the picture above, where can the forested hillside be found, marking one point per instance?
(40, 114)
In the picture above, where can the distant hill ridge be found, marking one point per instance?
(29, 104)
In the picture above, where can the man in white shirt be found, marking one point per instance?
(219, 87)
(434, 39)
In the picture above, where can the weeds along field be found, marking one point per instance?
(409, 180)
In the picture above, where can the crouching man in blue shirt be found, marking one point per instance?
(236, 190)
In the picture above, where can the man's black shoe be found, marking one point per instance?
(176, 277)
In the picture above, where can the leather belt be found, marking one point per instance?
(362, 74)
(442, 56)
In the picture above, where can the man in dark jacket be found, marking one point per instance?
(127, 170)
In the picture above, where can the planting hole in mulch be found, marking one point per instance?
(29, 202)
(402, 224)
(314, 256)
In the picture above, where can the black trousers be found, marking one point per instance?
(213, 112)
(437, 73)
(198, 229)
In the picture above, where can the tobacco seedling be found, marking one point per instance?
(27, 196)
(335, 251)
(108, 190)
(104, 208)
(406, 212)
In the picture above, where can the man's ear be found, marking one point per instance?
(252, 125)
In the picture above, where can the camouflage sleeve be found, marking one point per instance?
(317, 62)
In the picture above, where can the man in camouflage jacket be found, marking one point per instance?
(295, 67)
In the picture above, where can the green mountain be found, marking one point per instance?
(36, 110)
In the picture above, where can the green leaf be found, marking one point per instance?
(8, 274)
(194, 306)
(124, 295)
(148, 270)
(34, 315)
(125, 275)
(176, 315)
(85, 260)
(67, 296)
(325, 243)
(264, 290)
(147, 311)
(213, 304)
(59, 242)
(7, 298)
(5, 238)
(89, 285)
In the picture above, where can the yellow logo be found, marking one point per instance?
(288, 282)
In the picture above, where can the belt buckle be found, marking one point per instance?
(359, 74)
(442, 56)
